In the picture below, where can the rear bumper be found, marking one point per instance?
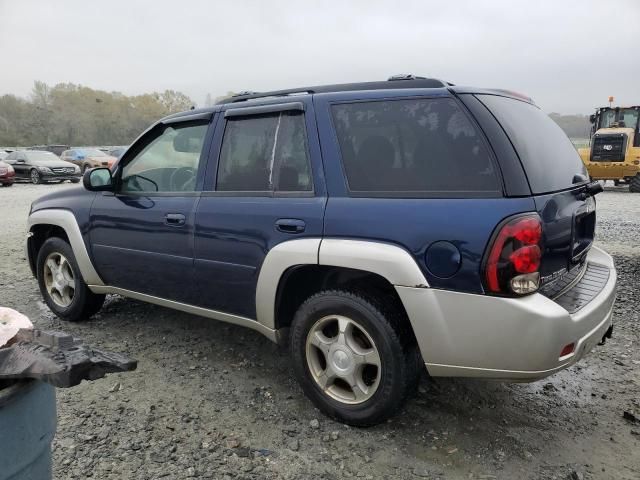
(517, 339)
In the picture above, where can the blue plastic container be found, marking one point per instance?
(27, 427)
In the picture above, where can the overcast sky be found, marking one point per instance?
(569, 55)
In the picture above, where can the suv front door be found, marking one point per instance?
(142, 235)
(265, 188)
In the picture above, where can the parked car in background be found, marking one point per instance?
(117, 152)
(40, 167)
(3, 154)
(7, 174)
(57, 149)
(87, 158)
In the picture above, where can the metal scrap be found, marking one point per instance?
(58, 359)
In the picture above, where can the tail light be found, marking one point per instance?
(513, 263)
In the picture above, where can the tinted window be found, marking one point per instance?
(262, 153)
(547, 155)
(168, 162)
(419, 145)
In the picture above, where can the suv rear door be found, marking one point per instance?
(557, 178)
(142, 235)
(264, 186)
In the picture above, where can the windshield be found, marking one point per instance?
(625, 117)
(41, 156)
(92, 152)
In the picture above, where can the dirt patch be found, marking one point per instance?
(211, 400)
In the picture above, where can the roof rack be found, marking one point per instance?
(396, 81)
(405, 76)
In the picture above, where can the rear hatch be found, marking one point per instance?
(558, 180)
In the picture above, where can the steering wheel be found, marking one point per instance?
(182, 179)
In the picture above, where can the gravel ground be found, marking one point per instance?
(211, 400)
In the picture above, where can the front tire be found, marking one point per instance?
(61, 283)
(36, 178)
(634, 184)
(355, 358)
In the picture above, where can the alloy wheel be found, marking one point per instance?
(343, 359)
(59, 280)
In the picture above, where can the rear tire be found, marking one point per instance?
(634, 184)
(61, 283)
(355, 358)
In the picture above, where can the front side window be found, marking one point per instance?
(412, 147)
(265, 153)
(167, 163)
(622, 118)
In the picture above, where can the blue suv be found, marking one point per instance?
(377, 228)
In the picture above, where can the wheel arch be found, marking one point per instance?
(296, 269)
(44, 224)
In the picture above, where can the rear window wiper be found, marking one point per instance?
(588, 190)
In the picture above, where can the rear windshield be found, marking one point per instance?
(92, 152)
(415, 147)
(549, 158)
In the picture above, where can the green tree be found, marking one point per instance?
(76, 115)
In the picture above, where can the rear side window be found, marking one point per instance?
(265, 153)
(416, 147)
(547, 155)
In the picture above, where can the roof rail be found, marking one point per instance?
(397, 81)
(405, 76)
(244, 93)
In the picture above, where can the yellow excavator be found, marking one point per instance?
(614, 149)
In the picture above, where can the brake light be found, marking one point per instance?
(513, 262)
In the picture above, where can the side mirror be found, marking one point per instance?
(98, 180)
(20, 160)
(592, 118)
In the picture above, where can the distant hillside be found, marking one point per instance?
(575, 126)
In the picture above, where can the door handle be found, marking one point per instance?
(290, 225)
(174, 219)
